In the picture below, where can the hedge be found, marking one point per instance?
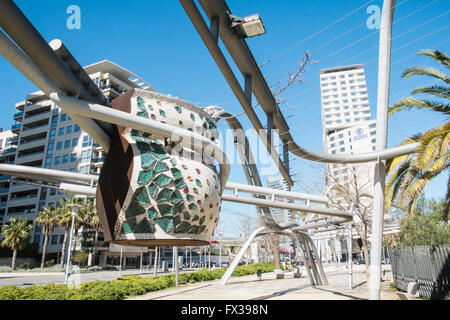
(119, 289)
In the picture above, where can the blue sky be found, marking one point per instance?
(156, 40)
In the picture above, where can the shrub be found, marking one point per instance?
(80, 258)
(118, 289)
(29, 265)
(5, 269)
(49, 263)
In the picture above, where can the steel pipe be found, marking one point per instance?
(205, 33)
(28, 68)
(277, 193)
(285, 205)
(247, 65)
(128, 120)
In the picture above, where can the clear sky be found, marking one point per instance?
(156, 40)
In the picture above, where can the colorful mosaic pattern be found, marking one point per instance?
(168, 194)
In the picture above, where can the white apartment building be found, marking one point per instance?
(347, 124)
(277, 182)
(45, 136)
(7, 156)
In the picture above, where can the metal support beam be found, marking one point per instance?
(384, 71)
(246, 63)
(238, 257)
(178, 135)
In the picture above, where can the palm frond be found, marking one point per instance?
(425, 71)
(438, 91)
(437, 55)
(409, 103)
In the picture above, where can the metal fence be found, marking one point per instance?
(427, 265)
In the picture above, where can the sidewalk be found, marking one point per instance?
(250, 288)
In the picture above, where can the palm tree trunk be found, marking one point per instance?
(44, 249)
(13, 262)
(75, 238)
(63, 250)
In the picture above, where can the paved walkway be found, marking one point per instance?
(250, 288)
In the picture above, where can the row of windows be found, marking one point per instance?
(348, 120)
(68, 129)
(67, 144)
(346, 107)
(65, 158)
(342, 76)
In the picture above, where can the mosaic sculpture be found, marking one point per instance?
(154, 191)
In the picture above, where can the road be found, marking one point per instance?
(28, 278)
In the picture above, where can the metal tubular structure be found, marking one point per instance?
(199, 23)
(20, 29)
(247, 65)
(128, 120)
(384, 70)
(28, 68)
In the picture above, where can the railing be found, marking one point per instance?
(30, 154)
(3, 204)
(31, 141)
(16, 126)
(18, 114)
(9, 150)
(4, 190)
(429, 266)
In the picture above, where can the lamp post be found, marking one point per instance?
(75, 208)
(220, 250)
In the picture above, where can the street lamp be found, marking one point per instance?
(75, 208)
(247, 27)
(220, 250)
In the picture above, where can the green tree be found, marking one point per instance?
(16, 235)
(80, 258)
(408, 175)
(424, 225)
(48, 217)
(65, 220)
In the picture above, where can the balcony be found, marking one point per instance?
(7, 151)
(16, 127)
(14, 140)
(3, 204)
(18, 115)
(4, 190)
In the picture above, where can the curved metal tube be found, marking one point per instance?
(128, 120)
(247, 65)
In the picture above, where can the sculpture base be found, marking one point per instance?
(161, 242)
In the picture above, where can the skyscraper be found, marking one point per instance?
(347, 124)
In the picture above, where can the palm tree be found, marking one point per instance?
(408, 175)
(16, 235)
(47, 217)
(94, 222)
(65, 220)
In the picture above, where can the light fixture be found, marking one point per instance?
(247, 27)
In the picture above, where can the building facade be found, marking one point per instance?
(347, 124)
(45, 136)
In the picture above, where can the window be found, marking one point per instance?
(72, 170)
(67, 144)
(87, 141)
(342, 149)
(54, 121)
(63, 117)
(48, 162)
(341, 136)
(69, 129)
(76, 128)
(57, 160)
(60, 131)
(54, 239)
(73, 157)
(59, 145)
(74, 142)
(341, 143)
(50, 148)
(61, 239)
(84, 169)
(65, 158)
(52, 192)
(85, 156)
